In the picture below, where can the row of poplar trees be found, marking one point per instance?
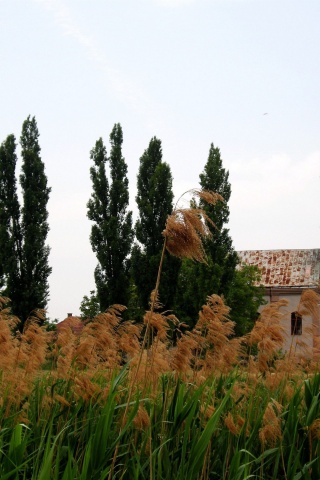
(128, 255)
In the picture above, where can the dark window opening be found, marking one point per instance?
(296, 323)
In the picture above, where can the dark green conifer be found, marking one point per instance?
(10, 230)
(154, 199)
(111, 233)
(34, 223)
(23, 232)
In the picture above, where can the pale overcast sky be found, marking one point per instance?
(243, 74)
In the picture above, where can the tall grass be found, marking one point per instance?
(124, 401)
(203, 408)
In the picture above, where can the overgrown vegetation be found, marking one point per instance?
(152, 401)
(99, 406)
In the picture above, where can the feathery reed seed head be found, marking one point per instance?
(270, 432)
(187, 227)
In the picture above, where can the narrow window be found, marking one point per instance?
(296, 323)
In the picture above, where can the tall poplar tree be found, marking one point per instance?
(34, 223)
(154, 200)
(111, 232)
(23, 231)
(219, 275)
(98, 207)
(219, 247)
(10, 230)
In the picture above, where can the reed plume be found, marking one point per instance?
(270, 432)
(147, 366)
(142, 419)
(157, 321)
(268, 334)
(309, 304)
(63, 351)
(187, 227)
(22, 355)
(34, 341)
(231, 425)
(128, 338)
(213, 333)
(8, 343)
(98, 341)
(182, 355)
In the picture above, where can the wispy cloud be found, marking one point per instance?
(174, 3)
(181, 3)
(125, 89)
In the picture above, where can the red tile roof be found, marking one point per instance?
(75, 323)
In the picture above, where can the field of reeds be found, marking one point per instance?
(108, 404)
(120, 400)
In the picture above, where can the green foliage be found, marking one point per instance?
(219, 275)
(90, 306)
(111, 232)
(24, 253)
(34, 224)
(216, 178)
(154, 200)
(245, 297)
(51, 325)
(10, 229)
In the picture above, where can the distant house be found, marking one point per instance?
(286, 274)
(75, 323)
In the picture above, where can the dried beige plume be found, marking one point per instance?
(309, 304)
(187, 227)
(142, 419)
(5, 313)
(230, 424)
(270, 432)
